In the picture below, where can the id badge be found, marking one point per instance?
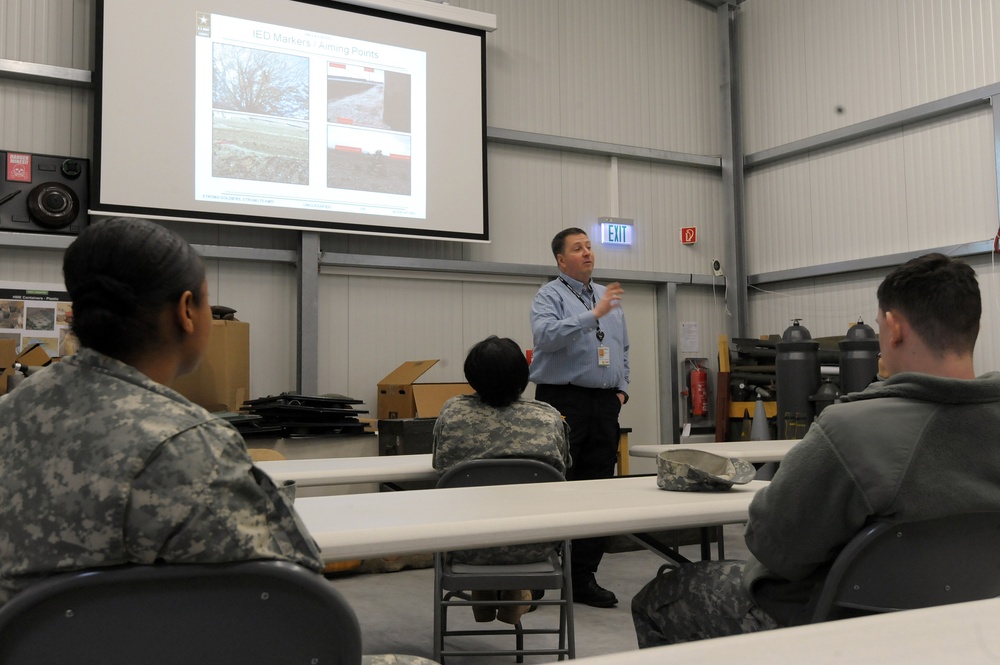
(603, 356)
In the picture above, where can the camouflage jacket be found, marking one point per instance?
(100, 465)
(468, 429)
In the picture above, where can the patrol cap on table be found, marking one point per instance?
(686, 470)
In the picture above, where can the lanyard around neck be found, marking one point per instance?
(593, 298)
(590, 306)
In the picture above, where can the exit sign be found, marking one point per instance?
(689, 235)
(616, 231)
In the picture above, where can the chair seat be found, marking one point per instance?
(471, 577)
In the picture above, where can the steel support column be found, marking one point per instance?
(668, 379)
(732, 173)
(307, 316)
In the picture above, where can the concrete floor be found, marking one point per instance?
(396, 609)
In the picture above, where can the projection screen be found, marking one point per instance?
(291, 113)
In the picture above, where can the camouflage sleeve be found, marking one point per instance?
(198, 501)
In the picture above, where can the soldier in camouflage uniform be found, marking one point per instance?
(497, 422)
(100, 463)
(915, 446)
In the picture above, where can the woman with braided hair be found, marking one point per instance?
(102, 463)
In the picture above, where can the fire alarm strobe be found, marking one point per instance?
(43, 193)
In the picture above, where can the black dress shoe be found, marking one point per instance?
(591, 593)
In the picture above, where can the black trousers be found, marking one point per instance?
(592, 415)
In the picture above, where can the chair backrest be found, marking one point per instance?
(246, 613)
(907, 565)
(499, 471)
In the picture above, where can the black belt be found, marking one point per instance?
(576, 387)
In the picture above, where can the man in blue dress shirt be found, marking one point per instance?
(580, 366)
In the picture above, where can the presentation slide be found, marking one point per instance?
(268, 98)
(288, 113)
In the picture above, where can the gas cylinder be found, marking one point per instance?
(699, 391)
(797, 378)
(858, 358)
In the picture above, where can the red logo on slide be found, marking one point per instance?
(18, 167)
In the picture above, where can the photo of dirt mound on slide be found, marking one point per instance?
(249, 148)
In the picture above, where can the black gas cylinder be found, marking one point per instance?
(797, 379)
(826, 395)
(858, 358)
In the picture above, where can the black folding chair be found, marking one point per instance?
(892, 566)
(452, 580)
(247, 613)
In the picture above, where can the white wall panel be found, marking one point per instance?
(634, 72)
(987, 354)
(497, 308)
(947, 47)
(43, 118)
(37, 266)
(662, 199)
(773, 71)
(810, 66)
(335, 351)
(370, 325)
(840, 204)
(642, 413)
(926, 185)
(951, 180)
(48, 32)
(523, 65)
(263, 294)
(804, 59)
(534, 194)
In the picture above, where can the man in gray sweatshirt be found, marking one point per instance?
(918, 445)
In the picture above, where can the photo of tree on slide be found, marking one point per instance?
(260, 116)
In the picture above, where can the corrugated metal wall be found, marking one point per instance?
(810, 67)
(927, 185)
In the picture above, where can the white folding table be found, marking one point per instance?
(351, 470)
(357, 526)
(961, 633)
(751, 451)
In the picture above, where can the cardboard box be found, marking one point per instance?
(222, 381)
(399, 397)
(35, 355)
(8, 353)
(430, 397)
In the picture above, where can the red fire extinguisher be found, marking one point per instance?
(699, 391)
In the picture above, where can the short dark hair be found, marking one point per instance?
(559, 242)
(939, 296)
(497, 370)
(120, 273)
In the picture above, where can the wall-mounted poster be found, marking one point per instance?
(37, 314)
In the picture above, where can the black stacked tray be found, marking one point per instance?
(289, 414)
